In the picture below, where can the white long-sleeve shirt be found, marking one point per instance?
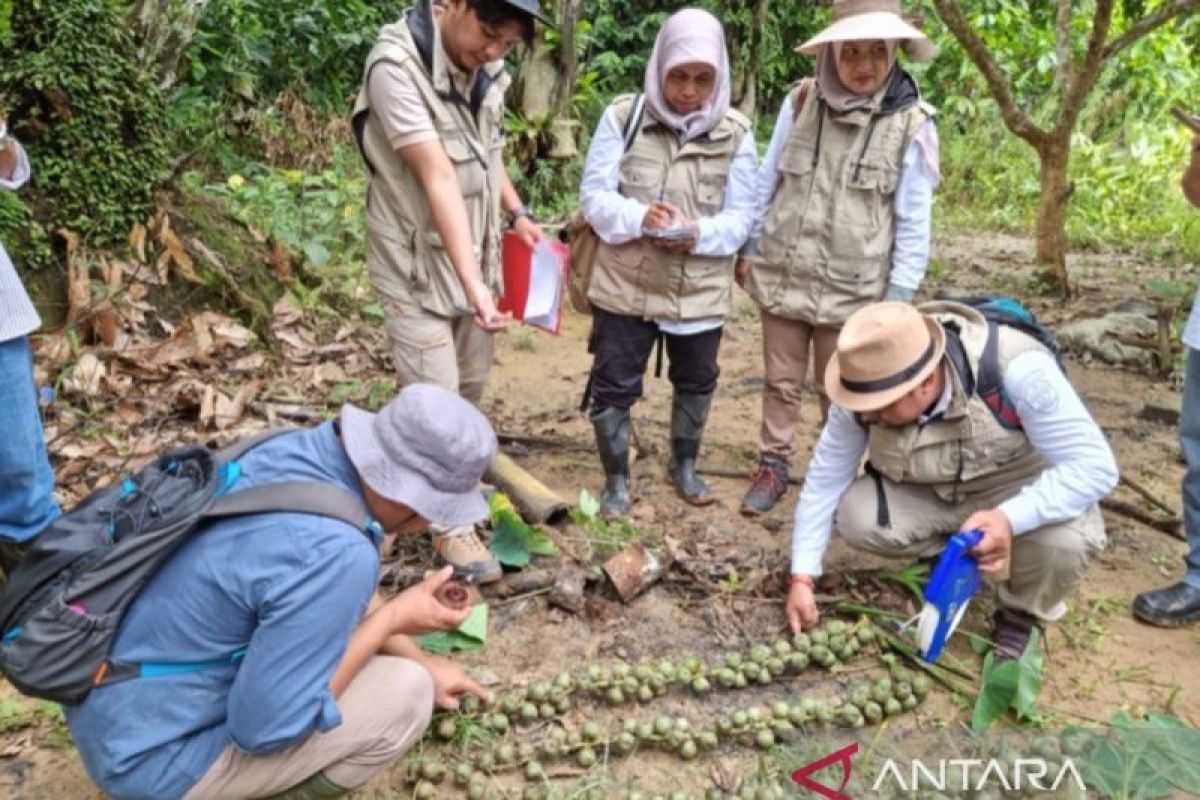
(17, 314)
(913, 202)
(617, 219)
(1081, 468)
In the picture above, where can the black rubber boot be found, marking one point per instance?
(1170, 607)
(612, 442)
(689, 412)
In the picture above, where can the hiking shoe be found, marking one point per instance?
(767, 485)
(462, 548)
(1011, 630)
(1170, 607)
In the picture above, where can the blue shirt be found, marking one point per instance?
(290, 588)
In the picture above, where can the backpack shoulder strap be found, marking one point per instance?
(989, 383)
(800, 96)
(302, 497)
(633, 123)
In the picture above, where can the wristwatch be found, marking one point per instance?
(517, 213)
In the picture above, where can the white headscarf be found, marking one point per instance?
(836, 94)
(690, 36)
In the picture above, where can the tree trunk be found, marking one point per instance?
(748, 102)
(165, 29)
(1054, 156)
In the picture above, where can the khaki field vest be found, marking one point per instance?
(637, 278)
(826, 244)
(965, 451)
(405, 254)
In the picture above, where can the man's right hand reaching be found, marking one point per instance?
(801, 604)
(418, 610)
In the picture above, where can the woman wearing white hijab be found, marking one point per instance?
(845, 195)
(672, 202)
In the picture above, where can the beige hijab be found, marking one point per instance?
(835, 93)
(690, 36)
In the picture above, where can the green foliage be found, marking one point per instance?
(317, 215)
(1155, 757)
(22, 233)
(1013, 684)
(514, 541)
(246, 51)
(91, 115)
(608, 535)
(471, 635)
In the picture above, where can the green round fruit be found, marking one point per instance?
(756, 713)
(549, 748)
(801, 642)
(921, 685)
(663, 725)
(836, 642)
(614, 696)
(764, 739)
(733, 660)
(591, 731)
(424, 790)
(882, 690)
(724, 725)
(910, 702)
(446, 728)
(529, 712)
(625, 743)
(764, 677)
(707, 740)
(835, 626)
(688, 750)
(645, 693)
(498, 723)
(865, 634)
(740, 718)
(739, 680)
(469, 705)
(774, 665)
(595, 673)
(433, 771)
(760, 653)
(847, 653)
(901, 690)
(645, 730)
(539, 691)
(525, 751)
(782, 647)
(506, 753)
(751, 669)
(892, 707)
(701, 685)
(798, 662)
(797, 715)
(780, 709)
(560, 706)
(586, 757)
(486, 760)
(873, 712)
(477, 790)
(463, 773)
(819, 637)
(724, 677)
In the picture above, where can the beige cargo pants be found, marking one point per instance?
(1047, 564)
(385, 709)
(786, 344)
(451, 352)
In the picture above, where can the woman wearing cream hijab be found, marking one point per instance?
(669, 189)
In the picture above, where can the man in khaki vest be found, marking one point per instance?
(1029, 475)
(429, 122)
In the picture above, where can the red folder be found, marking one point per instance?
(533, 281)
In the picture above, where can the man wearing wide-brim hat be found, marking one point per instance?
(429, 121)
(1029, 474)
(846, 196)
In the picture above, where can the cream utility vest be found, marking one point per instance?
(637, 278)
(965, 451)
(826, 244)
(405, 253)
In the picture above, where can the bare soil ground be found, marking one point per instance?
(1098, 659)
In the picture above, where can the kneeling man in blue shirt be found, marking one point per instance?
(330, 689)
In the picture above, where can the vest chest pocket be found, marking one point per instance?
(710, 188)
(466, 164)
(640, 179)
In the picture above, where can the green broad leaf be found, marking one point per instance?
(997, 692)
(588, 505)
(1029, 679)
(316, 253)
(471, 635)
(374, 310)
(514, 541)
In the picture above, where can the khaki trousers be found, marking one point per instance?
(385, 709)
(1047, 564)
(451, 352)
(786, 345)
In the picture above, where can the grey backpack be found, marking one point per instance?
(62, 606)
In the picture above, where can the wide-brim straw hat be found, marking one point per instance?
(883, 351)
(870, 19)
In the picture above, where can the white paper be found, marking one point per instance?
(545, 287)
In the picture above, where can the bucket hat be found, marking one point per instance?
(870, 19)
(883, 351)
(426, 449)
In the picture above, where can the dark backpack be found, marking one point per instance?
(62, 606)
(989, 383)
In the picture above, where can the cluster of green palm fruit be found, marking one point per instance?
(757, 726)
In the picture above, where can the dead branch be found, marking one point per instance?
(1148, 495)
(1171, 526)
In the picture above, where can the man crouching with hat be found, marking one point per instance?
(324, 687)
(939, 461)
